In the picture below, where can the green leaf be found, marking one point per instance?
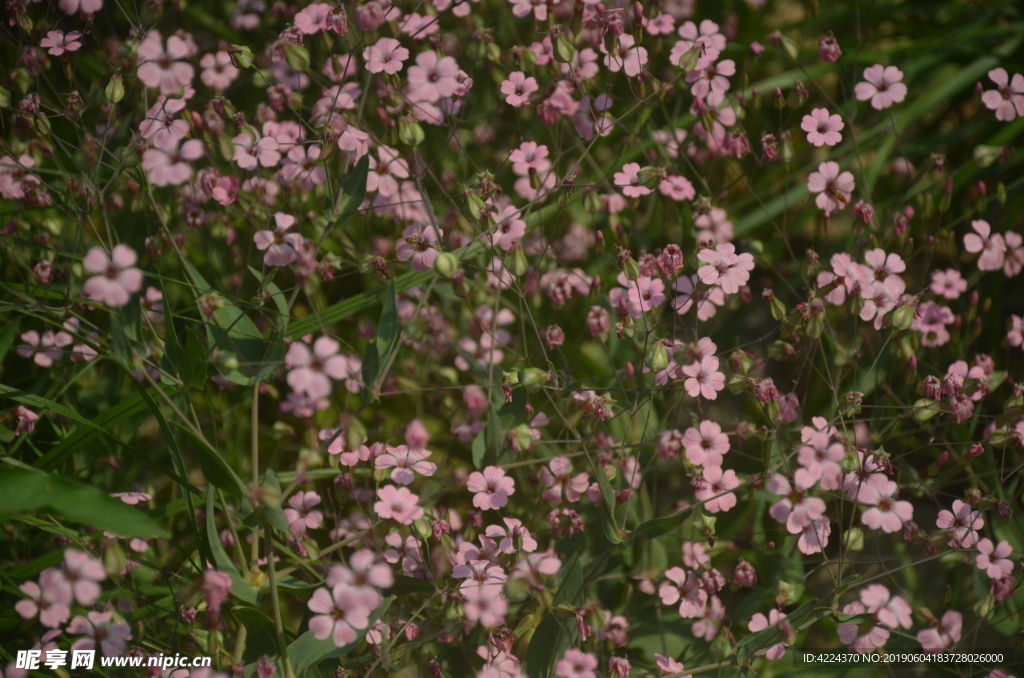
(760, 640)
(572, 582)
(260, 631)
(7, 334)
(27, 491)
(546, 648)
(306, 652)
(239, 586)
(193, 362)
(404, 586)
(274, 515)
(275, 292)
(353, 191)
(479, 450)
(657, 527)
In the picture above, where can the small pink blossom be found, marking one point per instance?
(558, 479)
(706, 444)
(576, 664)
(834, 189)
(101, 632)
(995, 560)
(774, 620)
(300, 513)
(714, 489)
(492, 488)
(218, 71)
(281, 247)
(386, 56)
(518, 88)
(723, 267)
(116, 277)
(50, 599)
(991, 245)
(168, 165)
(44, 349)
(1007, 100)
(886, 513)
(340, 613)
(398, 504)
(253, 151)
(630, 181)
(677, 188)
(949, 283)
(943, 634)
(686, 589)
(822, 129)
(164, 68)
(882, 87)
(419, 243)
(57, 43)
(311, 371)
(703, 378)
(407, 462)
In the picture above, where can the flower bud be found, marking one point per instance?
(114, 90)
(446, 264)
(657, 357)
(564, 51)
(410, 132)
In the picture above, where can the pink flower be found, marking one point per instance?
(310, 372)
(629, 180)
(714, 490)
(883, 86)
(419, 243)
(50, 599)
(163, 123)
(218, 71)
(215, 586)
(433, 77)
(949, 283)
(255, 151)
(677, 188)
(1007, 100)
(723, 267)
(407, 461)
(669, 665)
(314, 18)
(83, 6)
(56, 43)
(492, 488)
(795, 508)
(164, 68)
(576, 664)
(625, 56)
(822, 129)
(709, 76)
(398, 504)
(963, 523)
(116, 277)
(364, 572)
(507, 537)
(820, 461)
(887, 513)
(100, 629)
(385, 171)
(703, 378)
(510, 228)
(341, 612)
(281, 248)
(774, 620)
(518, 88)
(84, 573)
(26, 420)
(386, 56)
(892, 611)
(557, 478)
(168, 165)
(300, 513)
(992, 246)
(687, 590)
(943, 634)
(44, 349)
(995, 560)
(834, 189)
(485, 604)
(814, 536)
(705, 445)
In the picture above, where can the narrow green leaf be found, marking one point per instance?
(239, 586)
(274, 515)
(29, 491)
(306, 652)
(193, 364)
(276, 295)
(546, 648)
(572, 582)
(260, 631)
(479, 450)
(353, 191)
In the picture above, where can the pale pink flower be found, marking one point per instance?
(385, 171)
(886, 513)
(45, 348)
(364, 572)
(164, 68)
(995, 560)
(992, 246)
(944, 634)
(795, 508)
(890, 610)
(300, 513)
(882, 87)
(398, 504)
(518, 88)
(26, 420)
(774, 620)
(711, 75)
(218, 71)
(50, 599)
(814, 536)
(686, 589)
(407, 462)
(625, 56)
(1007, 100)
(419, 243)
(723, 267)
(963, 522)
(507, 536)
(949, 283)
(630, 181)
(714, 489)
(530, 157)
(340, 613)
(314, 18)
(706, 301)
(492, 488)
(703, 378)
(168, 165)
(576, 664)
(163, 123)
(256, 151)
(57, 43)
(706, 444)
(677, 188)
(310, 372)
(386, 56)
(862, 638)
(116, 277)
(83, 6)
(510, 228)
(485, 604)
(101, 632)
(663, 24)
(281, 247)
(557, 478)
(834, 189)
(1013, 262)
(820, 462)
(433, 77)
(822, 129)
(669, 665)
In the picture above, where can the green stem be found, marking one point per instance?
(268, 549)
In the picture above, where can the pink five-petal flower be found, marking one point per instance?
(774, 619)
(822, 129)
(419, 243)
(886, 513)
(943, 634)
(1007, 100)
(685, 588)
(164, 68)
(629, 180)
(300, 513)
(252, 151)
(891, 611)
(706, 444)
(50, 599)
(386, 56)
(834, 189)
(168, 165)
(518, 88)
(340, 612)
(995, 559)
(398, 504)
(576, 664)
(723, 267)
(99, 628)
(714, 489)
(492, 488)
(310, 372)
(703, 378)
(557, 478)
(795, 508)
(84, 6)
(57, 43)
(84, 573)
(116, 277)
(882, 87)
(677, 188)
(407, 462)
(991, 245)
(281, 247)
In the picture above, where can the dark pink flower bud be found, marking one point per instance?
(828, 49)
